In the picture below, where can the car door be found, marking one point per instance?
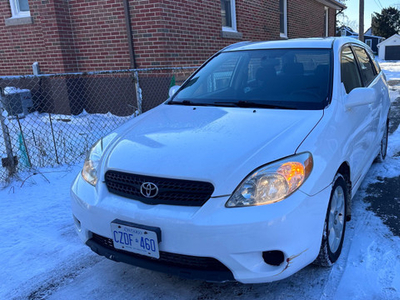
(359, 119)
(381, 88)
(384, 97)
(370, 79)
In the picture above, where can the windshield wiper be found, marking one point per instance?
(243, 103)
(240, 103)
(189, 103)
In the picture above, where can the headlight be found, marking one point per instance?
(90, 167)
(272, 183)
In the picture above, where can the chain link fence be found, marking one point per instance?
(47, 120)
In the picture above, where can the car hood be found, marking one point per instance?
(215, 144)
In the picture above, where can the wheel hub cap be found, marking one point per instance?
(336, 219)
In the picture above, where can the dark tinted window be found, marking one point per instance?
(377, 67)
(374, 62)
(368, 71)
(282, 16)
(226, 13)
(350, 75)
(287, 78)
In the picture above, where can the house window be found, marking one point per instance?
(228, 14)
(326, 21)
(283, 18)
(19, 8)
(369, 42)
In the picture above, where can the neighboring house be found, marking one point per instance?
(389, 49)
(79, 36)
(371, 40)
(346, 31)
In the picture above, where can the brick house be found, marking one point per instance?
(80, 36)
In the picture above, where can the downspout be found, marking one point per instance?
(336, 19)
(129, 35)
(340, 11)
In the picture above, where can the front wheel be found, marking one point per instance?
(335, 224)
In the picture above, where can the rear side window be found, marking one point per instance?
(368, 71)
(350, 75)
(376, 65)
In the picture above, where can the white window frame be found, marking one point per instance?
(284, 34)
(369, 42)
(233, 18)
(16, 12)
(326, 29)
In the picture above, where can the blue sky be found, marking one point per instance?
(370, 6)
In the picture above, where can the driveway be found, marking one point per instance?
(384, 195)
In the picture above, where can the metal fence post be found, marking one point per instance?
(138, 92)
(54, 139)
(10, 162)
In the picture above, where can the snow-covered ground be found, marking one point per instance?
(42, 257)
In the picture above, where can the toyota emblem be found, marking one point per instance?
(149, 190)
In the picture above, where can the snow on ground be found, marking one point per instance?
(42, 257)
(73, 135)
(392, 72)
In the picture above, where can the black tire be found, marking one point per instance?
(335, 224)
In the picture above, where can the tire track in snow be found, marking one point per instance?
(42, 286)
(374, 259)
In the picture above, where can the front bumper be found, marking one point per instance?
(181, 265)
(235, 237)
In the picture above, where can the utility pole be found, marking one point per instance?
(361, 22)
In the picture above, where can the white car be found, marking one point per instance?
(247, 171)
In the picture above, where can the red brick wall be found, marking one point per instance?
(57, 39)
(306, 19)
(332, 22)
(183, 33)
(66, 36)
(76, 35)
(22, 45)
(100, 38)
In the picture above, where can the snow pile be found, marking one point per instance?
(8, 90)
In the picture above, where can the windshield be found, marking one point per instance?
(277, 78)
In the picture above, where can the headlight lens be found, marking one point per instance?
(92, 161)
(272, 183)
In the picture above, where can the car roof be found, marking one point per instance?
(317, 43)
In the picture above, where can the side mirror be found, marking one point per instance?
(359, 97)
(173, 90)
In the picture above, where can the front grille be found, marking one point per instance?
(168, 259)
(170, 191)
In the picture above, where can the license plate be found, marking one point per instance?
(136, 240)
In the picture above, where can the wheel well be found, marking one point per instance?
(344, 170)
